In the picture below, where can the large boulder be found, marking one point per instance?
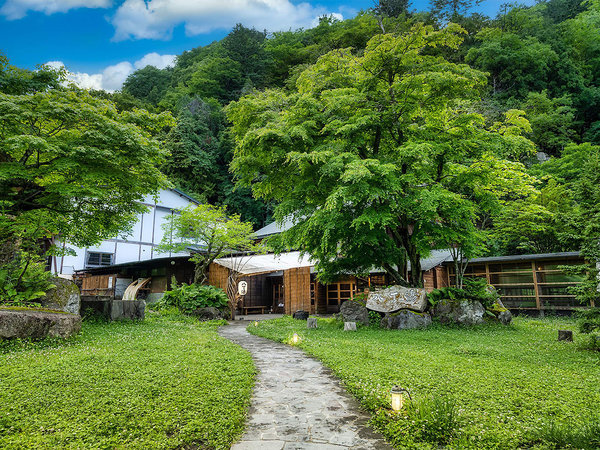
(394, 298)
(465, 312)
(354, 311)
(209, 313)
(31, 324)
(405, 320)
(64, 297)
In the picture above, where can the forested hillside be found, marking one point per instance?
(543, 60)
(542, 65)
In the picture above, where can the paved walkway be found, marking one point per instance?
(297, 403)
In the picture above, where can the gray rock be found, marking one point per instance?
(64, 297)
(354, 311)
(300, 315)
(394, 298)
(31, 324)
(311, 322)
(209, 313)
(505, 317)
(405, 320)
(464, 313)
(349, 326)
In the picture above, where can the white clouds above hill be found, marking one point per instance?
(17, 9)
(112, 77)
(155, 19)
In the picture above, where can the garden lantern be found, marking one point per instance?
(398, 397)
(295, 338)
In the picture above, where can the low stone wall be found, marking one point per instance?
(112, 309)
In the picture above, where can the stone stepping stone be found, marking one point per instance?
(297, 403)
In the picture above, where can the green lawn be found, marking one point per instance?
(512, 386)
(162, 383)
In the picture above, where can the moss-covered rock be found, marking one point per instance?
(64, 297)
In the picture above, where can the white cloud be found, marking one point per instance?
(156, 60)
(17, 9)
(336, 16)
(155, 19)
(112, 77)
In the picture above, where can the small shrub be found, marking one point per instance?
(434, 419)
(190, 297)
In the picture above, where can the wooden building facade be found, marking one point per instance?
(528, 282)
(294, 289)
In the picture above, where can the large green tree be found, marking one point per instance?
(363, 155)
(73, 165)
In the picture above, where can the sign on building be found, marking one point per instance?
(242, 288)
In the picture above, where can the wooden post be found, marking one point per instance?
(565, 335)
(538, 302)
(349, 326)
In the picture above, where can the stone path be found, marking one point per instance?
(297, 403)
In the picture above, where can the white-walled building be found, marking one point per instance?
(139, 244)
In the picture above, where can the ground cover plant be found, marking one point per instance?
(167, 382)
(488, 386)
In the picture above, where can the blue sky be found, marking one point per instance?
(102, 41)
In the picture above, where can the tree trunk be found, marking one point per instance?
(416, 274)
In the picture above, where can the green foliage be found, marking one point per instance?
(15, 81)
(427, 422)
(375, 319)
(552, 121)
(166, 382)
(474, 289)
(210, 233)
(23, 280)
(434, 419)
(190, 297)
(516, 65)
(557, 435)
(474, 369)
(82, 170)
(148, 84)
(589, 320)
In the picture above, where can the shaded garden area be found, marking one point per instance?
(167, 382)
(486, 386)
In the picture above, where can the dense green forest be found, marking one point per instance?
(543, 60)
(542, 65)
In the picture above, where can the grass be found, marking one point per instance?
(29, 308)
(166, 382)
(494, 386)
